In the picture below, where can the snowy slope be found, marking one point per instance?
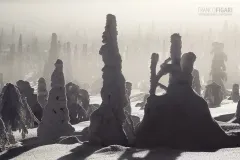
(81, 151)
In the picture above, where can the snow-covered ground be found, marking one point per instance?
(80, 151)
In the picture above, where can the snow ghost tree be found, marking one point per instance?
(213, 94)
(106, 123)
(235, 93)
(55, 121)
(128, 94)
(28, 92)
(180, 105)
(74, 103)
(218, 68)
(13, 112)
(196, 85)
(42, 95)
(53, 56)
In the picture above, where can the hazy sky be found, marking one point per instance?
(85, 13)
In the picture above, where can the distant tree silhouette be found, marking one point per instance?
(76, 50)
(1, 41)
(35, 47)
(13, 34)
(53, 56)
(218, 68)
(64, 48)
(84, 50)
(69, 50)
(59, 46)
(20, 44)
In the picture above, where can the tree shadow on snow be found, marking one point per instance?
(27, 144)
(225, 117)
(154, 154)
(81, 152)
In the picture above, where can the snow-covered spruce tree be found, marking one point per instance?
(3, 136)
(13, 112)
(42, 94)
(106, 123)
(75, 104)
(28, 92)
(55, 121)
(53, 56)
(30, 117)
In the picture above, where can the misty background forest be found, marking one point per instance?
(141, 33)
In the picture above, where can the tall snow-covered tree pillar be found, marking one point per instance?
(175, 54)
(106, 123)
